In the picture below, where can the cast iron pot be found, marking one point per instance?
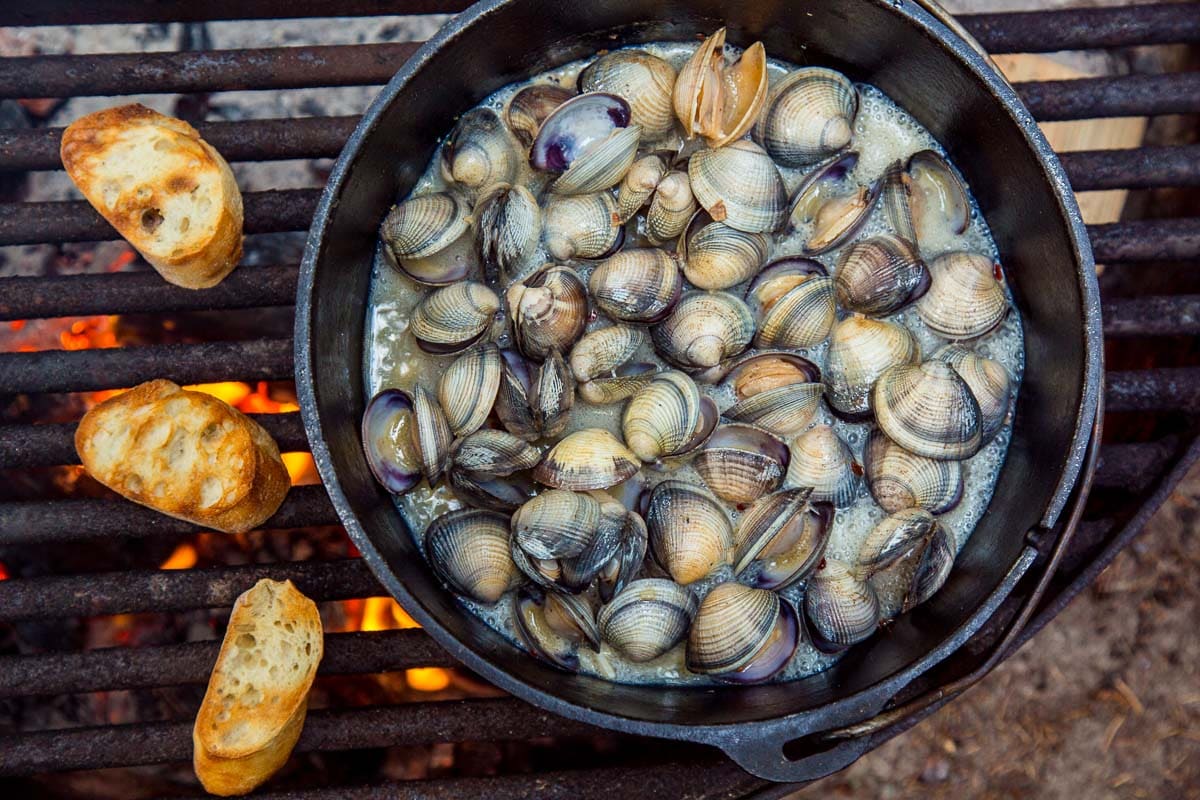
(1021, 189)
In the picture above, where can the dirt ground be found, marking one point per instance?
(1103, 703)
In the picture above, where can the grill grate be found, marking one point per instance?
(1136, 472)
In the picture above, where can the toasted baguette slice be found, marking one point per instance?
(166, 190)
(186, 454)
(257, 694)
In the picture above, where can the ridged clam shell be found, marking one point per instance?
(467, 388)
(741, 463)
(552, 395)
(529, 108)
(895, 545)
(424, 225)
(512, 396)
(842, 608)
(576, 128)
(742, 634)
(553, 626)
(821, 459)
(880, 276)
(719, 256)
(700, 73)
(647, 618)
(689, 531)
(644, 81)
(638, 185)
(899, 479)
(469, 551)
(591, 458)
(704, 329)
(496, 454)
(801, 318)
(783, 533)
(556, 524)
(581, 226)
(929, 410)
(670, 208)
(496, 494)
(894, 201)
(433, 434)
(508, 227)
(480, 151)
(964, 299)
(808, 115)
(627, 562)
(451, 319)
(389, 435)
(628, 381)
(637, 285)
(604, 350)
(549, 311)
(933, 569)
(860, 349)
(665, 418)
(769, 369)
(988, 381)
(603, 165)
(783, 410)
(579, 572)
(739, 185)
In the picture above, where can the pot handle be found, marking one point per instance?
(767, 757)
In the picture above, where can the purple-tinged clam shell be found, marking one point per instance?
(575, 127)
(389, 432)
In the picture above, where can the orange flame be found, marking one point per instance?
(3, 572)
(183, 557)
(89, 333)
(384, 613)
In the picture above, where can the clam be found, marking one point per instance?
(480, 151)
(899, 479)
(578, 573)
(497, 494)
(583, 226)
(834, 213)
(642, 80)
(602, 351)
(880, 276)
(779, 391)
(894, 201)
(553, 395)
(549, 311)
(512, 404)
(932, 571)
(668, 418)
(638, 185)
(937, 199)
(821, 459)
(469, 551)
(965, 298)
(390, 440)
(739, 185)
(638, 285)
(742, 635)
(433, 434)
(704, 329)
(626, 381)
(842, 608)
(670, 208)
(495, 454)
(589, 139)
(988, 381)
(647, 618)
(591, 458)
(467, 388)
(860, 349)
(508, 227)
(451, 319)
(426, 238)
(784, 535)
(529, 108)
(554, 627)
(793, 299)
(718, 256)
(929, 410)
(720, 101)
(555, 524)
(808, 116)
(741, 463)
(911, 550)
(689, 532)
(625, 564)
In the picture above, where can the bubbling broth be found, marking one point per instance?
(883, 134)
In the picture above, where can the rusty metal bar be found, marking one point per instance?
(52, 444)
(46, 521)
(120, 367)
(144, 292)
(97, 12)
(348, 729)
(1176, 389)
(1134, 466)
(1124, 96)
(139, 591)
(1135, 168)
(76, 221)
(1084, 28)
(1146, 240)
(1157, 315)
(191, 662)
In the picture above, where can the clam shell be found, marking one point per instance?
(842, 608)
(835, 212)
(809, 115)
(704, 329)
(880, 276)
(894, 200)
(638, 285)
(769, 369)
(627, 562)
(451, 319)
(581, 226)
(899, 479)
(495, 454)
(529, 108)
(591, 458)
(647, 618)
(719, 256)
(988, 381)
(739, 185)
(496, 494)
(667, 418)
(783, 410)
(512, 397)
(553, 627)
(964, 299)
(860, 349)
(932, 571)
(628, 381)
(701, 73)
(556, 524)
(821, 459)
(937, 198)
(553, 396)
(480, 151)
(741, 463)
(603, 165)
(467, 388)
(579, 572)
(785, 534)
(644, 81)
(801, 318)
(929, 410)
(433, 434)
(638, 185)
(741, 634)
(575, 128)
(469, 551)
(389, 434)
(689, 532)
(603, 351)
(508, 227)
(424, 225)
(895, 545)
(670, 209)
(549, 311)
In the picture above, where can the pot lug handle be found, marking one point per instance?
(767, 758)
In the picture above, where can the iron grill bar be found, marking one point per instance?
(342, 729)
(97, 12)
(190, 663)
(1155, 315)
(1124, 96)
(1146, 240)
(45, 521)
(1175, 389)
(1133, 168)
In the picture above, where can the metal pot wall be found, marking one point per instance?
(1022, 191)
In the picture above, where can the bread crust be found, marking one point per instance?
(185, 454)
(172, 164)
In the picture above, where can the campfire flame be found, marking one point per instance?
(183, 557)
(384, 613)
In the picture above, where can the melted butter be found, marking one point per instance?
(883, 133)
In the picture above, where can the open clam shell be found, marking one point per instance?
(741, 463)
(965, 298)
(480, 151)
(690, 534)
(602, 351)
(549, 311)
(591, 458)
(784, 535)
(842, 608)
(495, 494)
(835, 211)
(390, 440)
(512, 404)
(627, 380)
(581, 226)
(809, 115)
(988, 381)
(718, 256)
(467, 388)
(909, 551)
(637, 285)
(899, 479)
(647, 618)
(860, 349)
(452, 318)
(777, 390)
(742, 635)
(553, 395)
(704, 329)
(667, 418)
(495, 454)
(469, 551)
(720, 101)
(627, 562)
(508, 227)
(638, 185)
(433, 434)
(424, 238)
(554, 626)
(529, 108)
(937, 199)
(589, 139)
(644, 81)
(880, 276)
(821, 459)
(929, 410)
(739, 185)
